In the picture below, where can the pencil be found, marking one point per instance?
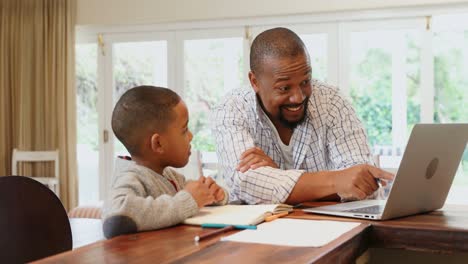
(214, 232)
(377, 180)
(275, 216)
(215, 225)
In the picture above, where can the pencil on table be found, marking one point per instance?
(275, 216)
(214, 232)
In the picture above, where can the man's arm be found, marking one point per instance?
(348, 147)
(253, 186)
(356, 182)
(346, 138)
(270, 185)
(348, 153)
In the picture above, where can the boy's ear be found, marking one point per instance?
(156, 144)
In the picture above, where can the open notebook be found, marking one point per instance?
(237, 214)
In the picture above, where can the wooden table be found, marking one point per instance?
(441, 231)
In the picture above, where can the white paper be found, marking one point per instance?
(294, 232)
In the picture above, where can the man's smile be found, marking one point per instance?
(294, 109)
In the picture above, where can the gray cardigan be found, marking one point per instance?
(141, 199)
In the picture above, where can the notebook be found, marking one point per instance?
(236, 214)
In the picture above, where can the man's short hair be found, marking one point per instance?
(140, 111)
(277, 43)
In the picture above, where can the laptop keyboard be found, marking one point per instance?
(374, 209)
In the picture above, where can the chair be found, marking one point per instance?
(33, 221)
(86, 211)
(39, 156)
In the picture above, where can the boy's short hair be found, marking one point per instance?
(140, 111)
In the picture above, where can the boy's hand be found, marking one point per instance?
(219, 193)
(215, 189)
(200, 191)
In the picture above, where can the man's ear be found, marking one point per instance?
(253, 81)
(156, 143)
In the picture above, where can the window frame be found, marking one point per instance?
(399, 96)
(330, 29)
(105, 85)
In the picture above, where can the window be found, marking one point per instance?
(321, 42)
(103, 73)
(212, 67)
(384, 80)
(87, 123)
(318, 50)
(396, 72)
(450, 45)
(134, 64)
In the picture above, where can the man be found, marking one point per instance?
(290, 138)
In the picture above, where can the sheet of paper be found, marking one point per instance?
(294, 232)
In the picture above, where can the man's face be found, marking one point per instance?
(284, 87)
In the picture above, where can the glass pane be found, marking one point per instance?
(137, 63)
(211, 68)
(413, 82)
(385, 72)
(87, 123)
(451, 87)
(318, 50)
(451, 77)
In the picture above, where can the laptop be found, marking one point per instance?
(423, 179)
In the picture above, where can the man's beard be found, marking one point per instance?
(293, 124)
(282, 119)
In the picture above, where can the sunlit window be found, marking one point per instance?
(87, 123)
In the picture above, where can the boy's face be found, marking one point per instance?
(177, 138)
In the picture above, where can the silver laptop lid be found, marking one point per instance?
(427, 169)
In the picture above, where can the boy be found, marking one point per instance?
(151, 122)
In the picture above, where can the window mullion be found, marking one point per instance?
(427, 90)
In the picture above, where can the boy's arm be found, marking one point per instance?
(130, 209)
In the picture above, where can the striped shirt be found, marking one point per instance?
(330, 138)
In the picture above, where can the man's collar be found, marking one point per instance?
(259, 112)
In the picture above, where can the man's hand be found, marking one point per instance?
(201, 192)
(254, 158)
(359, 181)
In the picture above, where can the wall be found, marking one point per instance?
(128, 12)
